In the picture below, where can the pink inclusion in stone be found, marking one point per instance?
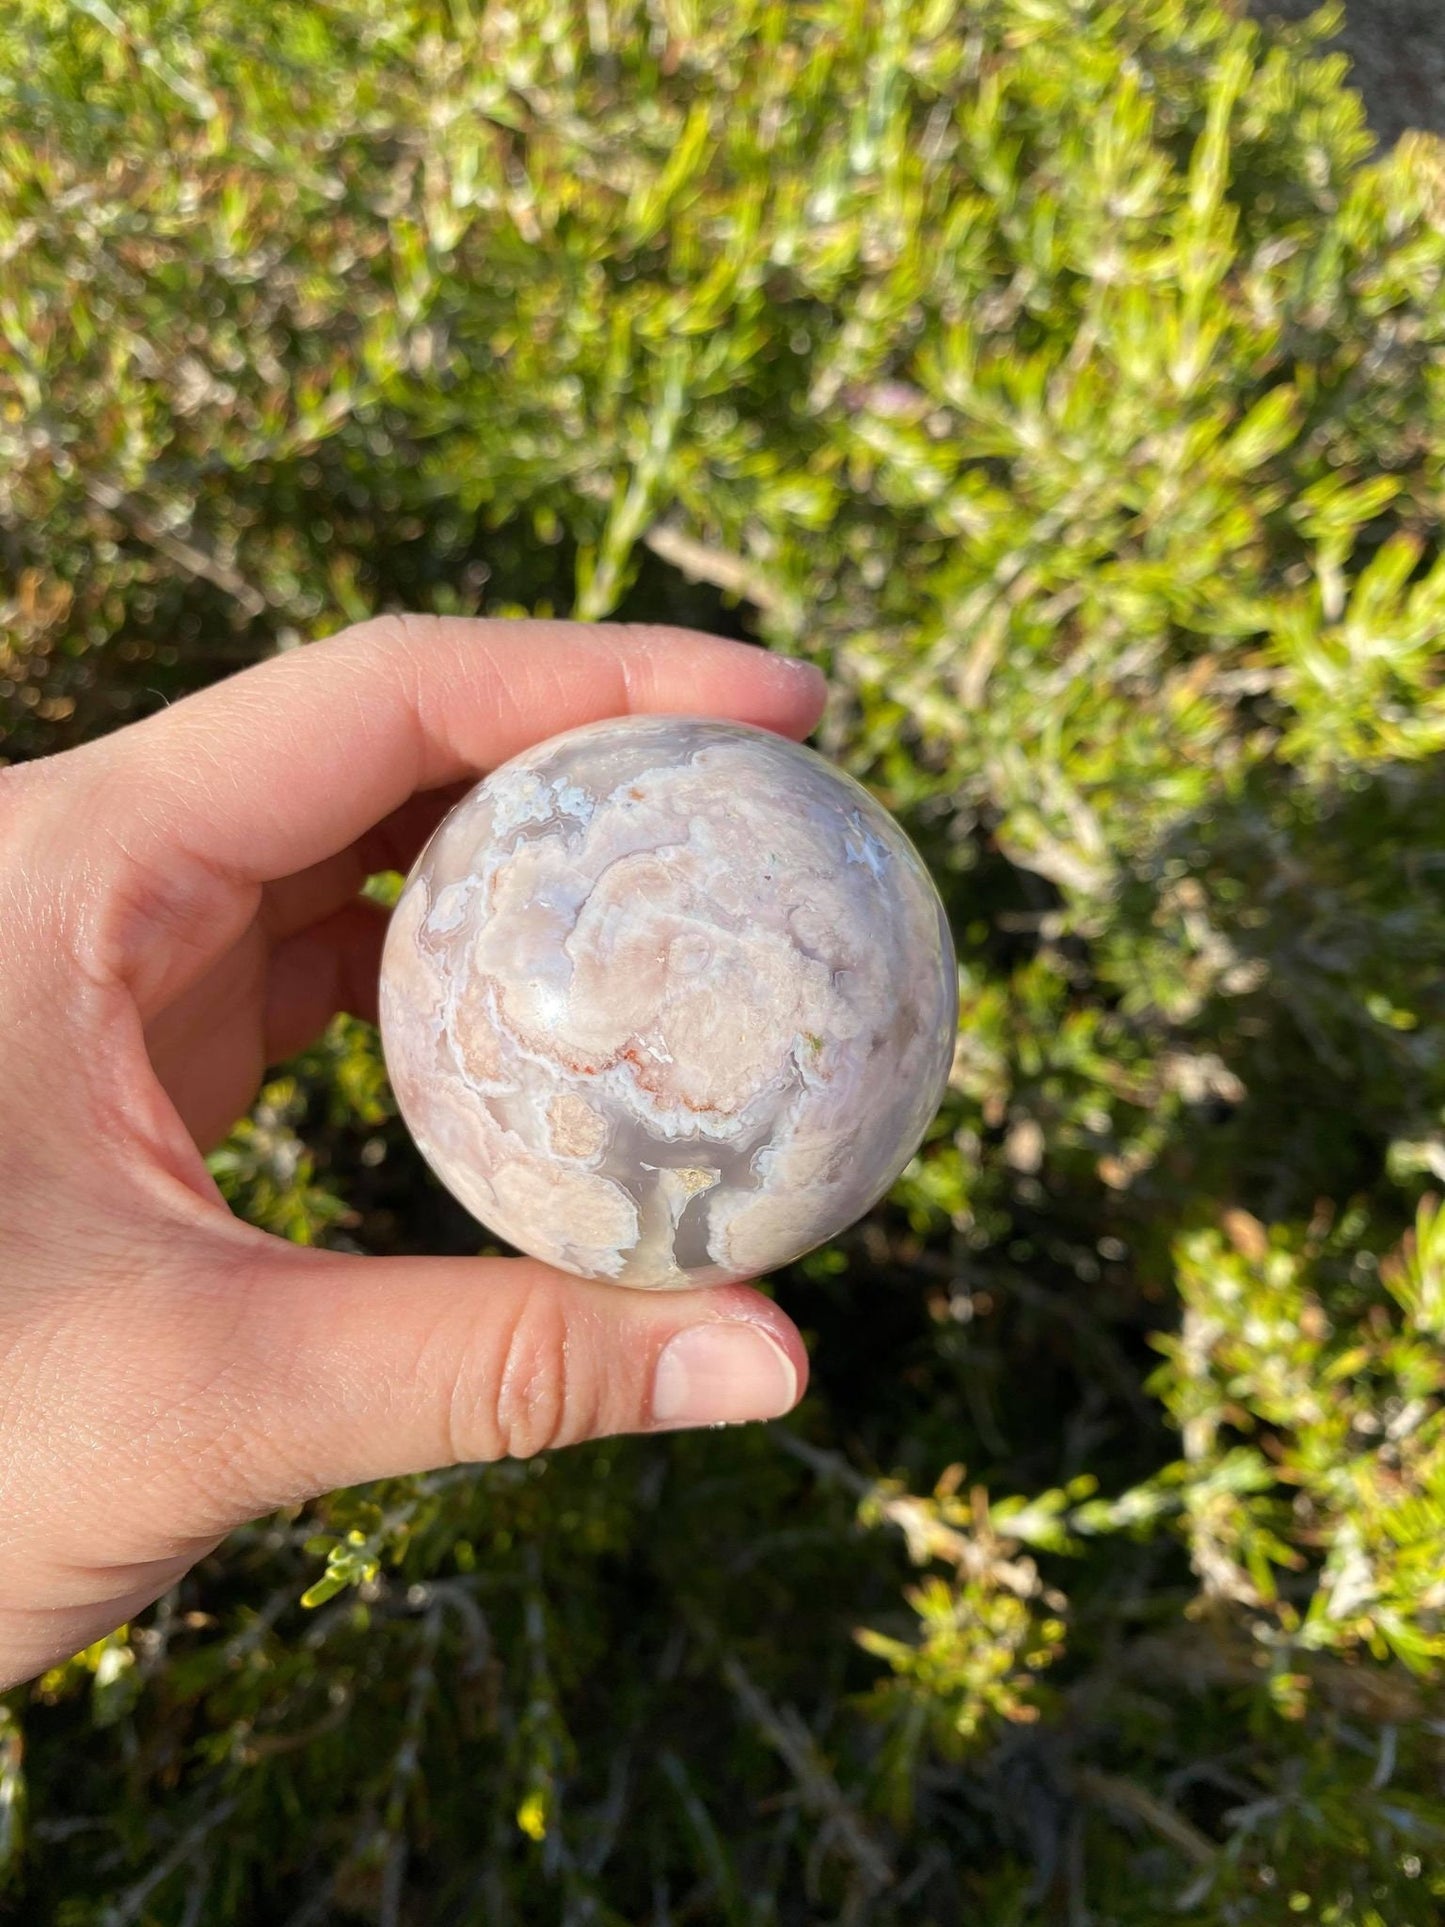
(668, 1001)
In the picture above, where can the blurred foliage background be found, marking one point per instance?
(1068, 378)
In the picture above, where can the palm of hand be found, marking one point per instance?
(308, 945)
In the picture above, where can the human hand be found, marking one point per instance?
(180, 908)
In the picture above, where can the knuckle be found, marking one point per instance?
(145, 909)
(16, 781)
(44, 876)
(524, 1394)
(393, 632)
(157, 924)
(649, 642)
(24, 787)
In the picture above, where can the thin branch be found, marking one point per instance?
(405, 1768)
(186, 555)
(1126, 1796)
(928, 1537)
(132, 1904)
(733, 574)
(790, 1738)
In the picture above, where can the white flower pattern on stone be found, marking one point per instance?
(668, 1001)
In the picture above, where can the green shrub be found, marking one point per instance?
(1067, 378)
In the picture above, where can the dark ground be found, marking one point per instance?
(1397, 49)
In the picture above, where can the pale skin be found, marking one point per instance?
(180, 908)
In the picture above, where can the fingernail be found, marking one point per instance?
(721, 1374)
(802, 671)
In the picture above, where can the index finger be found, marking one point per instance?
(290, 761)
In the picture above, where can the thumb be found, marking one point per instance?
(346, 1369)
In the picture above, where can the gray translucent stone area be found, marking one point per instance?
(668, 1001)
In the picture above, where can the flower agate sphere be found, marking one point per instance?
(668, 1001)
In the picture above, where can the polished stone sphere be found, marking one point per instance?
(668, 1001)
